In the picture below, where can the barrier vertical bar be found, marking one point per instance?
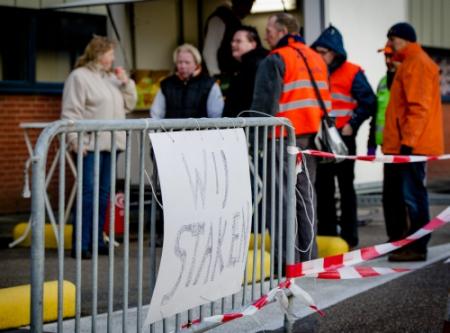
(37, 242)
(280, 203)
(79, 213)
(95, 209)
(141, 228)
(263, 211)
(255, 208)
(112, 208)
(272, 206)
(126, 233)
(177, 322)
(290, 216)
(212, 309)
(61, 222)
(244, 291)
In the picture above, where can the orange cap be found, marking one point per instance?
(386, 50)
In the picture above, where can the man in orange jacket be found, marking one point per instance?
(283, 88)
(352, 102)
(413, 127)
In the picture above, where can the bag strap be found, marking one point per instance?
(316, 88)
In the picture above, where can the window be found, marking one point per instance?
(262, 6)
(39, 47)
(442, 58)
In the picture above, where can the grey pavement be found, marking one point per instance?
(407, 302)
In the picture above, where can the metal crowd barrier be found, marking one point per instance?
(112, 291)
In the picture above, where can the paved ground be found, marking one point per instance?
(413, 302)
(416, 302)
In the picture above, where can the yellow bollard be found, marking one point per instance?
(331, 245)
(50, 239)
(258, 265)
(15, 304)
(267, 241)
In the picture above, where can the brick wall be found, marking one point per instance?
(439, 171)
(13, 153)
(15, 109)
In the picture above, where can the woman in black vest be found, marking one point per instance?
(188, 93)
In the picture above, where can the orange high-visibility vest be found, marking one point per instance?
(343, 103)
(298, 101)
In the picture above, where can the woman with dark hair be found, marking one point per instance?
(247, 49)
(94, 91)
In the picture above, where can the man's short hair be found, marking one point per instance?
(286, 21)
(252, 34)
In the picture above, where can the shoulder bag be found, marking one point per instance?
(328, 138)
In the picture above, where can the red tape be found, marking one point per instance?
(333, 262)
(231, 316)
(293, 271)
(370, 158)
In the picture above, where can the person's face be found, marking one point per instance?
(389, 63)
(240, 44)
(186, 64)
(326, 54)
(273, 35)
(396, 43)
(106, 60)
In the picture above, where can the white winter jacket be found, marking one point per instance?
(92, 93)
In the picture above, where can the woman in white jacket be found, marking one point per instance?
(94, 91)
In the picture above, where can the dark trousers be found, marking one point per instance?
(305, 198)
(88, 199)
(405, 202)
(326, 202)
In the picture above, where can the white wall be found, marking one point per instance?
(156, 25)
(364, 24)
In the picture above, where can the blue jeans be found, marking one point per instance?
(88, 199)
(405, 197)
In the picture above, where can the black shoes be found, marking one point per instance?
(85, 254)
(103, 251)
(407, 255)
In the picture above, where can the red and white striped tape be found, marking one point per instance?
(333, 267)
(358, 256)
(369, 158)
(358, 272)
(260, 303)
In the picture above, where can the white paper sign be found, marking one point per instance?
(205, 186)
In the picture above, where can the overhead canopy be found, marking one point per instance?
(89, 3)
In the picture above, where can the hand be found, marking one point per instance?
(406, 150)
(347, 130)
(73, 147)
(121, 74)
(371, 151)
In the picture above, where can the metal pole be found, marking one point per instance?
(37, 242)
(290, 215)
